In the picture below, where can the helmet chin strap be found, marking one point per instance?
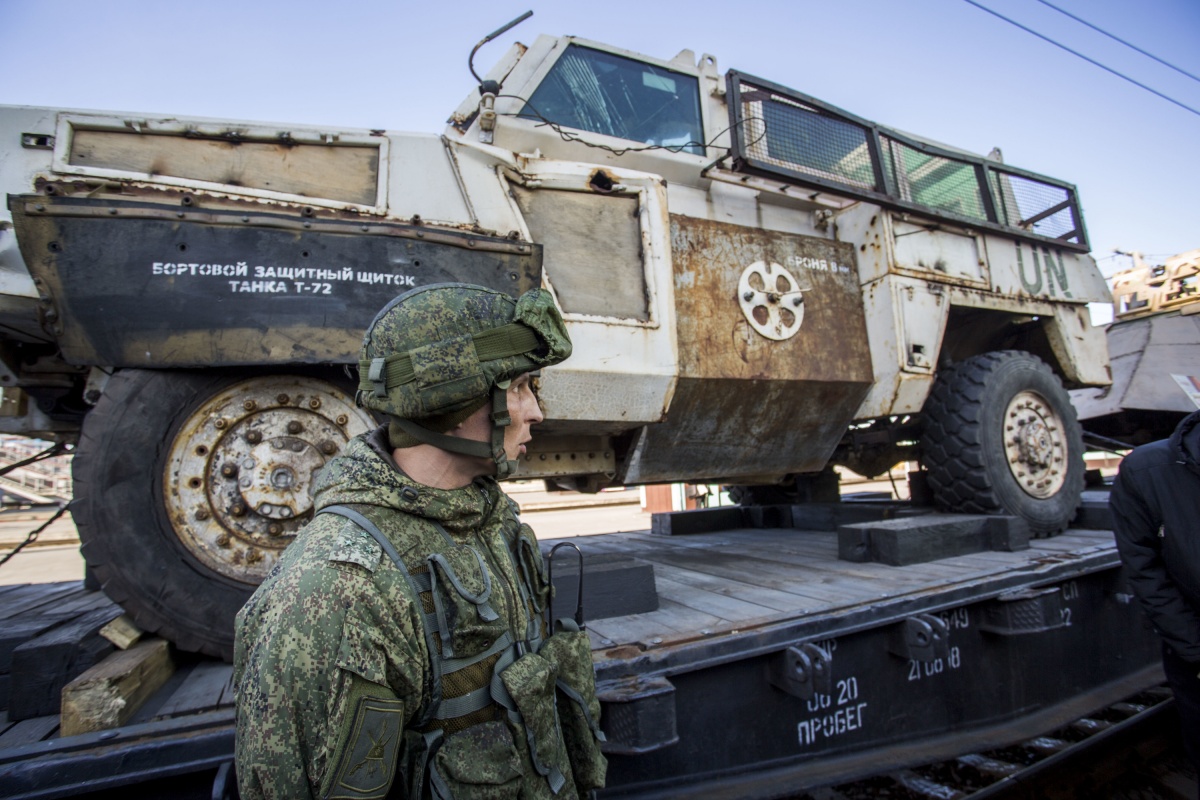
(501, 419)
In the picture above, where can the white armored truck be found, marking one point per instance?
(758, 285)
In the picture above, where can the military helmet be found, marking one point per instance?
(437, 353)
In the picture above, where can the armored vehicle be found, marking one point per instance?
(758, 284)
(1154, 344)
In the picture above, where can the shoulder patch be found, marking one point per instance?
(368, 763)
(356, 546)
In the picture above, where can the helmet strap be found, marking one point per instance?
(501, 419)
(454, 444)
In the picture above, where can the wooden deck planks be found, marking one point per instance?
(727, 607)
(826, 561)
(29, 731)
(805, 582)
(732, 563)
(745, 578)
(634, 628)
(204, 689)
(782, 603)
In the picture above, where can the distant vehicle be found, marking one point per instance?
(758, 285)
(1154, 344)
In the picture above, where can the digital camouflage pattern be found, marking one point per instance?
(332, 668)
(436, 363)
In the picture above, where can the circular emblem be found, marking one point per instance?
(771, 300)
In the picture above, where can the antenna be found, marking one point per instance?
(489, 89)
(489, 37)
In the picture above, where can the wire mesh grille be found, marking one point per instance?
(1034, 206)
(934, 181)
(803, 138)
(798, 137)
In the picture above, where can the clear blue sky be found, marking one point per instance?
(938, 68)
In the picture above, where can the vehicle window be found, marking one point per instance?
(603, 93)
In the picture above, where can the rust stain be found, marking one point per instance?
(601, 182)
(745, 404)
(715, 337)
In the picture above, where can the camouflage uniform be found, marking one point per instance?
(356, 677)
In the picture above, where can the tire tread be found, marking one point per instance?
(953, 445)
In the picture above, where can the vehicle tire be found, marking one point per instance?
(1001, 437)
(189, 485)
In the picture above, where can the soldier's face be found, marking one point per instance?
(524, 410)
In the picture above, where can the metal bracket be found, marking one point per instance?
(921, 638)
(802, 671)
(487, 117)
(638, 715)
(1026, 611)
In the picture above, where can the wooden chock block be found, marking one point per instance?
(122, 632)
(109, 693)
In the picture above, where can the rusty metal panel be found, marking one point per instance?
(723, 429)
(773, 354)
(718, 340)
(338, 172)
(141, 284)
(593, 250)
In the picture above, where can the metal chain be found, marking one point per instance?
(53, 450)
(32, 537)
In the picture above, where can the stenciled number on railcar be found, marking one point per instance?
(928, 669)
(833, 714)
(956, 618)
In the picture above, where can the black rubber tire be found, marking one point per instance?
(128, 541)
(963, 442)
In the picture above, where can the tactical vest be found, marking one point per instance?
(460, 746)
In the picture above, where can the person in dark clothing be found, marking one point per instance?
(1155, 503)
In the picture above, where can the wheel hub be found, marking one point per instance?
(277, 476)
(238, 483)
(1035, 445)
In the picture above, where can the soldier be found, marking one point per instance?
(401, 645)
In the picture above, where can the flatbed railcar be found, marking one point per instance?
(767, 664)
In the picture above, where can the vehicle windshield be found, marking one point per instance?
(600, 92)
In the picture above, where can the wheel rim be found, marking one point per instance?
(1035, 444)
(238, 477)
